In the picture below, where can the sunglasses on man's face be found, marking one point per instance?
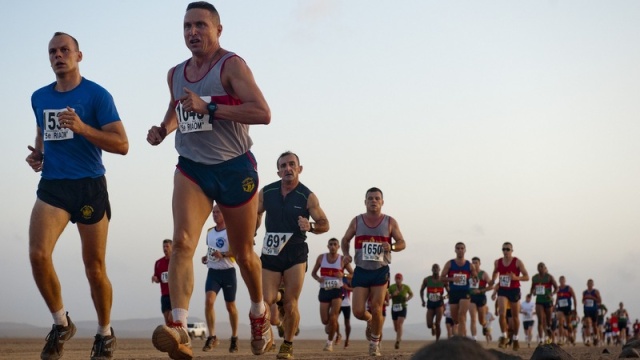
(506, 249)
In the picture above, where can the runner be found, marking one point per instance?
(478, 307)
(528, 310)
(374, 232)
(608, 332)
(602, 311)
(435, 300)
(510, 271)
(489, 319)
(345, 309)
(213, 100)
(400, 294)
(590, 301)
(544, 287)
(623, 319)
(565, 300)
(331, 269)
(288, 205)
(221, 275)
(457, 272)
(448, 321)
(161, 276)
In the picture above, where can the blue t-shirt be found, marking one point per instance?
(69, 155)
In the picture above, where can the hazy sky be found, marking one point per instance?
(482, 122)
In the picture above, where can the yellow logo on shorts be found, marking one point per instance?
(248, 185)
(87, 212)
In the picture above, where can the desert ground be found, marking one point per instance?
(131, 349)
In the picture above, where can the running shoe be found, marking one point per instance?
(212, 341)
(328, 346)
(233, 347)
(280, 330)
(261, 333)
(104, 346)
(54, 348)
(367, 332)
(502, 342)
(174, 340)
(374, 349)
(397, 345)
(515, 345)
(286, 351)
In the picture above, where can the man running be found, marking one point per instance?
(400, 294)
(331, 269)
(478, 308)
(435, 300)
(590, 301)
(528, 310)
(623, 320)
(565, 300)
(76, 120)
(221, 275)
(345, 309)
(544, 287)
(161, 276)
(457, 272)
(214, 99)
(510, 271)
(288, 205)
(374, 232)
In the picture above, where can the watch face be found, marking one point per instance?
(212, 107)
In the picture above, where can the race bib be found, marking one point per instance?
(372, 251)
(331, 284)
(274, 242)
(540, 290)
(505, 280)
(191, 121)
(52, 129)
(396, 307)
(164, 277)
(589, 303)
(434, 297)
(474, 283)
(211, 255)
(563, 302)
(460, 279)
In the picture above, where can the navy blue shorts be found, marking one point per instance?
(165, 303)
(455, 296)
(434, 304)
(86, 200)
(513, 295)
(225, 280)
(396, 314)
(479, 300)
(326, 296)
(290, 255)
(346, 311)
(231, 183)
(368, 278)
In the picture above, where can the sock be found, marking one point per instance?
(375, 339)
(329, 342)
(504, 335)
(474, 338)
(515, 337)
(180, 316)
(104, 330)
(257, 308)
(288, 342)
(60, 317)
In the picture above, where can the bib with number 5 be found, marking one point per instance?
(52, 129)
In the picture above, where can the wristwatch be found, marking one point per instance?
(212, 107)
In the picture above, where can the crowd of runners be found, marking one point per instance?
(213, 100)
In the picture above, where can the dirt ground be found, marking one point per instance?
(132, 349)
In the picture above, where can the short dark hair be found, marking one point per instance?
(373, 189)
(75, 41)
(286, 153)
(333, 239)
(167, 241)
(475, 258)
(508, 243)
(205, 6)
(460, 243)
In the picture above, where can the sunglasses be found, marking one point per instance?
(506, 249)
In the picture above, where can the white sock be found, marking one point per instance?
(257, 309)
(329, 342)
(60, 317)
(104, 330)
(180, 315)
(515, 337)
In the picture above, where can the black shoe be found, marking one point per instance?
(212, 341)
(56, 338)
(104, 346)
(233, 348)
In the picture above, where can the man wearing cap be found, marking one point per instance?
(400, 294)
